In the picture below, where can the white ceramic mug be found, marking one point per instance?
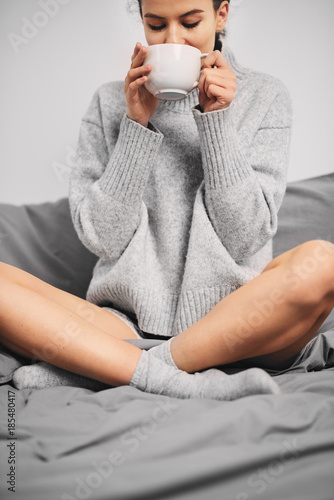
(175, 70)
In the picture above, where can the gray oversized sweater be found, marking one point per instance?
(183, 212)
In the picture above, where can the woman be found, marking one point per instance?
(179, 200)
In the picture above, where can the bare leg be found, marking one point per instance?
(40, 321)
(270, 318)
(104, 320)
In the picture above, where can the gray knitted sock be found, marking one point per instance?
(163, 352)
(155, 376)
(42, 375)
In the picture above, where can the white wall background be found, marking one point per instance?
(48, 81)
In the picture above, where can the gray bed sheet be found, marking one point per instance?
(121, 443)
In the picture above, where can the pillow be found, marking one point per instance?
(307, 213)
(41, 240)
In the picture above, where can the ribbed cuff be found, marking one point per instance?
(139, 377)
(163, 352)
(127, 172)
(223, 162)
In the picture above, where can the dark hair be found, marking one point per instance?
(219, 34)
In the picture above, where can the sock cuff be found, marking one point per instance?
(169, 357)
(139, 377)
(165, 354)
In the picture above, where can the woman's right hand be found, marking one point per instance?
(141, 104)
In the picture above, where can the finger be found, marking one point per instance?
(223, 96)
(208, 73)
(223, 82)
(136, 50)
(139, 57)
(213, 91)
(135, 86)
(217, 59)
(135, 73)
(210, 86)
(221, 77)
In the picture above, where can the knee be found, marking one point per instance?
(318, 260)
(312, 271)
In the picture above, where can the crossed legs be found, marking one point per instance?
(268, 320)
(40, 321)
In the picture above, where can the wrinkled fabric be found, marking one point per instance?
(122, 443)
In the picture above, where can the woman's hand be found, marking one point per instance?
(217, 84)
(140, 103)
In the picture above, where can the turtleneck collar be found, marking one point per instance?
(185, 105)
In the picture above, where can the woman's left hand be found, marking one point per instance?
(217, 84)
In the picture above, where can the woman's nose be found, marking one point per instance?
(173, 35)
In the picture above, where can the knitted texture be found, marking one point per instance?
(183, 212)
(154, 376)
(41, 375)
(163, 352)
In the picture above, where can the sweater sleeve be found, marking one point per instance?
(107, 184)
(244, 187)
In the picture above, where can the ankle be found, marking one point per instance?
(180, 357)
(171, 355)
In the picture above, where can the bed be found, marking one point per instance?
(66, 443)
